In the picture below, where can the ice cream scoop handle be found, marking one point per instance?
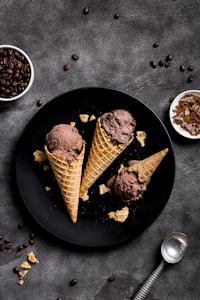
(149, 282)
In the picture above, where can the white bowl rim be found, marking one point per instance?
(7, 46)
(174, 103)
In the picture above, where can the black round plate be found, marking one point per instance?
(93, 229)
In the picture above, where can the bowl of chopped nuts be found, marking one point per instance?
(16, 73)
(184, 114)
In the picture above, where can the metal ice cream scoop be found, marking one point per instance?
(173, 249)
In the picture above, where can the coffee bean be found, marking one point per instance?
(111, 278)
(31, 242)
(2, 246)
(116, 16)
(86, 10)
(16, 270)
(32, 235)
(191, 78)
(190, 68)
(7, 241)
(168, 64)
(39, 103)
(8, 246)
(161, 63)
(73, 282)
(59, 298)
(155, 45)
(153, 64)
(66, 67)
(75, 56)
(1, 237)
(19, 248)
(20, 225)
(169, 57)
(182, 68)
(25, 245)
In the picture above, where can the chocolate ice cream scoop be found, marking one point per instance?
(126, 186)
(119, 124)
(65, 141)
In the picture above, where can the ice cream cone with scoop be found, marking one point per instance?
(113, 133)
(65, 151)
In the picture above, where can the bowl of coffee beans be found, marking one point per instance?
(16, 73)
(184, 114)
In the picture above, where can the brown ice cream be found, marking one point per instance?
(126, 186)
(64, 140)
(119, 124)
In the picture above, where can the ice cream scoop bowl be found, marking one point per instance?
(173, 249)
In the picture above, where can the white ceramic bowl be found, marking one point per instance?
(172, 114)
(30, 82)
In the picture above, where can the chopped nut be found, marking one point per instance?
(39, 156)
(103, 189)
(20, 281)
(47, 188)
(25, 265)
(22, 273)
(32, 258)
(119, 215)
(46, 168)
(84, 118)
(141, 137)
(92, 117)
(73, 124)
(120, 168)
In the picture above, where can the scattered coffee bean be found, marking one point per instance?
(7, 241)
(75, 56)
(111, 278)
(155, 45)
(20, 225)
(59, 298)
(25, 245)
(32, 235)
(73, 282)
(116, 16)
(153, 64)
(2, 246)
(19, 248)
(16, 270)
(191, 78)
(31, 242)
(168, 64)
(1, 237)
(169, 57)
(7, 246)
(39, 103)
(161, 63)
(15, 73)
(190, 68)
(66, 67)
(86, 10)
(182, 68)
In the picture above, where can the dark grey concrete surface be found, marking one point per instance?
(114, 53)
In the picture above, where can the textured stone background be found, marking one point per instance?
(113, 54)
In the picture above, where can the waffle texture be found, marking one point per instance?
(102, 154)
(146, 167)
(68, 177)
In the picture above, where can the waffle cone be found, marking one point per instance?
(146, 167)
(102, 154)
(68, 177)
